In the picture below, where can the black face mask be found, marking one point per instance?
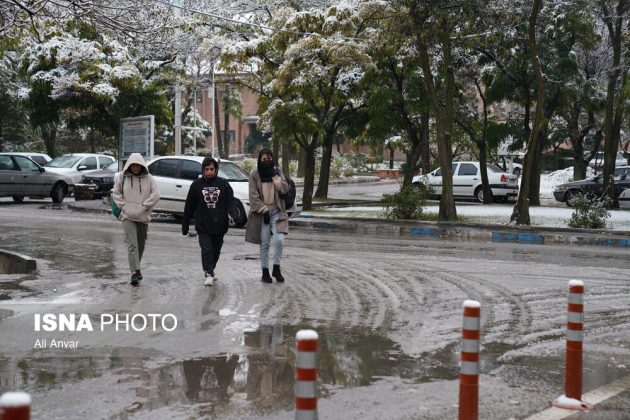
(266, 170)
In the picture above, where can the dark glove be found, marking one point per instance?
(184, 230)
(266, 217)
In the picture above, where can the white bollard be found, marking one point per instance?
(306, 375)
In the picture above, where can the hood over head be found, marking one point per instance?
(136, 158)
(207, 161)
(266, 169)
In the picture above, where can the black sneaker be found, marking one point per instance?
(139, 274)
(135, 279)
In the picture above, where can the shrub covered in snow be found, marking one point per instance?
(589, 213)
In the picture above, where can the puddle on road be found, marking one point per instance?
(260, 379)
(262, 375)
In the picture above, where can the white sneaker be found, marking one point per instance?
(209, 280)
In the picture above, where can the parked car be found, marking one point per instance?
(593, 187)
(96, 184)
(624, 199)
(467, 181)
(174, 174)
(21, 177)
(598, 160)
(76, 165)
(504, 163)
(40, 158)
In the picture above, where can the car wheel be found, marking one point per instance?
(57, 193)
(479, 195)
(517, 172)
(18, 198)
(241, 210)
(570, 197)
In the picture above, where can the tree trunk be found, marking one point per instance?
(425, 150)
(391, 157)
(448, 211)
(520, 213)
(309, 176)
(302, 163)
(275, 147)
(324, 171)
(614, 95)
(49, 135)
(286, 156)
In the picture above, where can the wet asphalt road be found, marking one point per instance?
(388, 314)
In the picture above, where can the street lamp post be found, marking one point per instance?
(213, 125)
(178, 99)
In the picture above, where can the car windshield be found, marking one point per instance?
(112, 166)
(495, 168)
(232, 172)
(66, 161)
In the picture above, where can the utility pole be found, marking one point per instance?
(178, 94)
(214, 133)
(195, 122)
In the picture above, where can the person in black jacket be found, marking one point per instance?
(208, 201)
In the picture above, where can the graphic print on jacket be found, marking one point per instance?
(211, 196)
(207, 202)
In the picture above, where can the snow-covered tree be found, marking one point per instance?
(90, 80)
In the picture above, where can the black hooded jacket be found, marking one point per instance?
(208, 202)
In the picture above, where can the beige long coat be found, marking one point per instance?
(252, 230)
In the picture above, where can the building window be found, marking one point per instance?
(231, 135)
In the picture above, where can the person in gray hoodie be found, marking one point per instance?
(135, 193)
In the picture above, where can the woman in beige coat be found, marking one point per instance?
(135, 193)
(267, 213)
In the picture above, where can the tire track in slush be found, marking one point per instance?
(373, 289)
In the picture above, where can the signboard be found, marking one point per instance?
(136, 136)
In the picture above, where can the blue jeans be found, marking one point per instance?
(265, 237)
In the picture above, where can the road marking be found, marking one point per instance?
(594, 397)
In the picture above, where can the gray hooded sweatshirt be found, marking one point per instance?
(140, 193)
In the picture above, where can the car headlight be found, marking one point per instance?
(561, 188)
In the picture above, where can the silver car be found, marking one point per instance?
(21, 177)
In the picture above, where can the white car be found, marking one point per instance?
(76, 165)
(40, 158)
(598, 160)
(467, 181)
(624, 199)
(175, 174)
(509, 166)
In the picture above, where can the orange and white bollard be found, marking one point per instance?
(469, 370)
(15, 406)
(572, 398)
(306, 375)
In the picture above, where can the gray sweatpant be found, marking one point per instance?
(135, 237)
